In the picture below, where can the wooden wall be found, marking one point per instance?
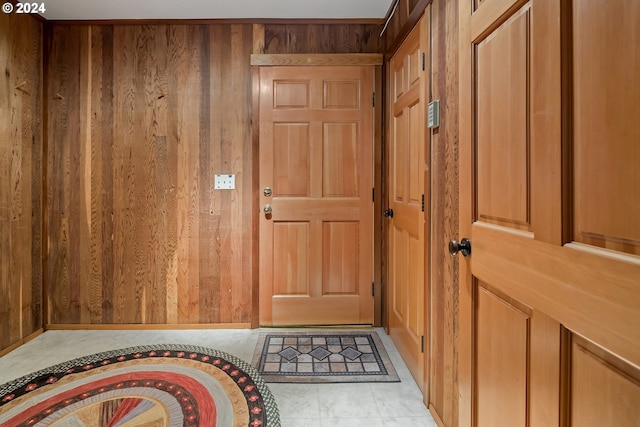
(140, 119)
(321, 38)
(443, 397)
(20, 178)
(399, 21)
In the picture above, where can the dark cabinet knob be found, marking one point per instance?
(464, 247)
(388, 213)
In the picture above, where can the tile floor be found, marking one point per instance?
(301, 405)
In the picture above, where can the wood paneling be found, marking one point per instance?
(140, 119)
(604, 121)
(502, 368)
(400, 20)
(443, 391)
(316, 59)
(340, 160)
(291, 159)
(21, 145)
(321, 38)
(341, 94)
(291, 271)
(503, 128)
(340, 257)
(290, 94)
(605, 390)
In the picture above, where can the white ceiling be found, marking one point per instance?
(214, 9)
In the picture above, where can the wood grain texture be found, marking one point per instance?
(378, 202)
(140, 118)
(321, 38)
(464, 368)
(401, 22)
(443, 399)
(605, 120)
(316, 154)
(21, 144)
(502, 360)
(406, 229)
(503, 162)
(606, 390)
(573, 289)
(317, 59)
(328, 38)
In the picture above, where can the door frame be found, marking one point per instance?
(317, 60)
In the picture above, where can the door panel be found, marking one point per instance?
(316, 155)
(502, 61)
(406, 189)
(340, 257)
(340, 165)
(502, 366)
(549, 298)
(605, 119)
(291, 159)
(291, 270)
(604, 392)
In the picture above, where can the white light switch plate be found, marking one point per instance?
(224, 182)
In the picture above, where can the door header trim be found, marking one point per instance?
(317, 59)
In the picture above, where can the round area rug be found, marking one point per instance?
(151, 386)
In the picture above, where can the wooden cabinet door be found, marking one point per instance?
(316, 157)
(549, 197)
(406, 193)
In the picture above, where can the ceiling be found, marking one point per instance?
(215, 9)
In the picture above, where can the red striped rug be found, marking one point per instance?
(151, 386)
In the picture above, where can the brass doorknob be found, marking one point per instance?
(267, 209)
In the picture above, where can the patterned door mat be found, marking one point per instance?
(323, 357)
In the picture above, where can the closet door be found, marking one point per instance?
(406, 195)
(550, 294)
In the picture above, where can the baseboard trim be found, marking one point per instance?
(436, 416)
(144, 327)
(21, 342)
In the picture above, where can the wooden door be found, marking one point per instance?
(316, 156)
(406, 195)
(549, 197)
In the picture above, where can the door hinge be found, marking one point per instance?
(422, 344)
(373, 289)
(423, 203)
(423, 61)
(373, 194)
(373, 99)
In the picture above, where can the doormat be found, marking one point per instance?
(158, 385)
(323, 357)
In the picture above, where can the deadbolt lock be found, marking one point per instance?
(267, 192)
